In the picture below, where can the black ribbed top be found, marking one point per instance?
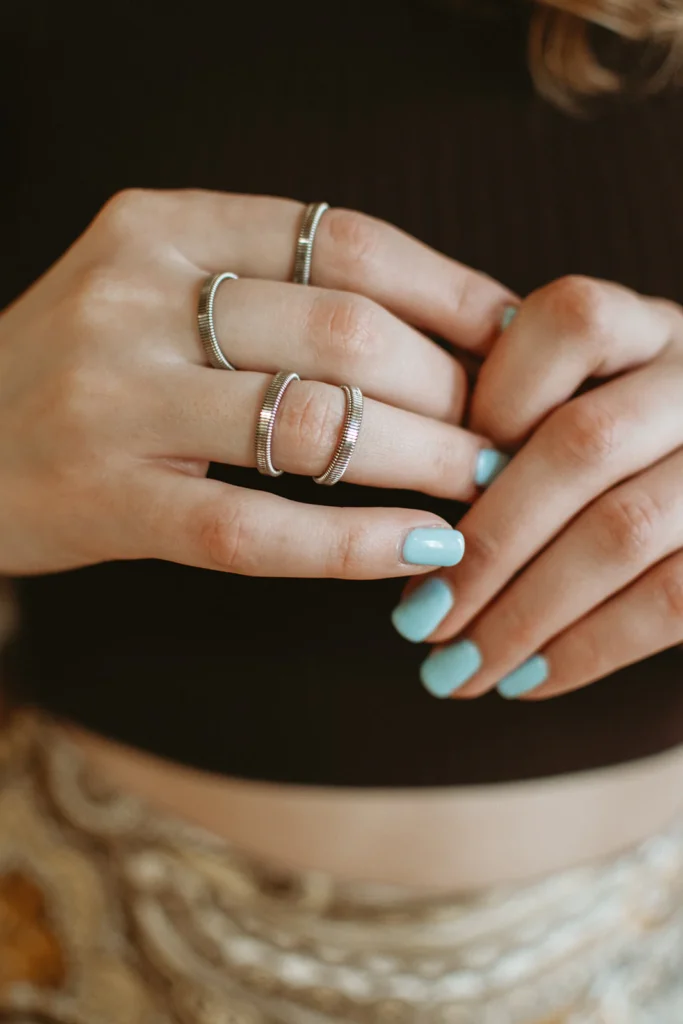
(411, 113)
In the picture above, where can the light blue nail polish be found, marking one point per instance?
(433, 546)
(448, 669)
(421, 611)
(509, 314)
(527, 677)
(489, 464)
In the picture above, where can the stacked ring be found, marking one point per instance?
(266, 421)
(347, 439)
(346, 444)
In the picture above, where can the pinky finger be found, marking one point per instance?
(636, 623)
(214, 525)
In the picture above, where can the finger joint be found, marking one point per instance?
(628, 526)
(343, 327)
(584, 434)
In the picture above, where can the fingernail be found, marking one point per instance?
(509, 314)
(421, 611)
(433, 546)
(527, 677)
(489, 464)
(448, 669)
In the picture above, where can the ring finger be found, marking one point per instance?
(212, 416)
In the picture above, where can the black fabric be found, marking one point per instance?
(414, 114)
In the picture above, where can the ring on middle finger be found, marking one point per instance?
(205, 321)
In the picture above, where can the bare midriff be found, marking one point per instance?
(446, 838)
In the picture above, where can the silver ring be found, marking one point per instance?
(347, 439)
(207, 328)
(304, 243)
(266, 421)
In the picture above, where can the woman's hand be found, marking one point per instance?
(574, 562)
(109, 416)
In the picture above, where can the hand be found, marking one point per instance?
(109, 416)
(574, 564)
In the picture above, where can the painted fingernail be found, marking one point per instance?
(527, 677)
(509, 314)
(489, 464)
(422, 610)
(433, 546)
(448, 669)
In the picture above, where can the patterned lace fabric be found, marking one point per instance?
(112, 913)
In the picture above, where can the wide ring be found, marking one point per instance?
(304, 243)
(347, 439)
(205, 322)
(266, 421)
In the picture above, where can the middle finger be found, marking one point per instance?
(335, 337)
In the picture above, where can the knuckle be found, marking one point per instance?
(355, 238)
(518, 626)
(472, 295)
(578, 305)
(75, 403)
(350, 555)
(226, 539)
(312, 421)
(128, 213)
(482, 549)
(445, 468)
(342, 325)
(584, 433)
(103, 299)
(91, 303)
(671, 589)
(627, 526)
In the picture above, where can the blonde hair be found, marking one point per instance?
(562, 57)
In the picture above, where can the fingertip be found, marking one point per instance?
(433, 546)
(490, 464)
(508, 315)
(528, 676)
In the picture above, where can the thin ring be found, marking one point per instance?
(205, 322)
(304, 243)
(266, 421)
(347, 439)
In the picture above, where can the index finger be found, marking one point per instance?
(255, 236)
(564, 334)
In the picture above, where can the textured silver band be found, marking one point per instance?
(347, 439)
(304, 243)
(207, 329)
(266, 421)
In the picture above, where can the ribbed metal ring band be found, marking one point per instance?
(304, 243)
(205, 321)
(347, 439)
(266, 421)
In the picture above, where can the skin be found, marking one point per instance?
(576, 550)
(109, 418)
(109, 415)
